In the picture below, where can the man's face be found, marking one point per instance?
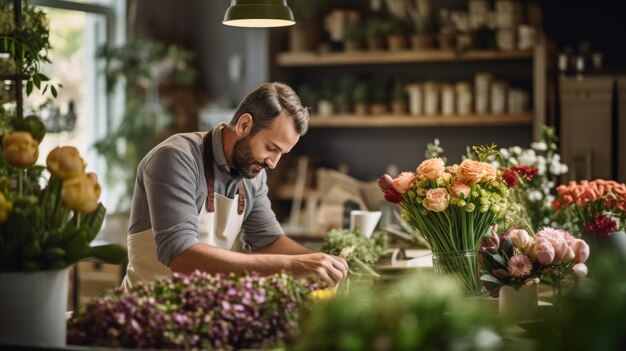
(253, 153)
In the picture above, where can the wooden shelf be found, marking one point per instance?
(292, 59)
(341, 121)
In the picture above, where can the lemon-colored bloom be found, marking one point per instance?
(322, 294)
(81, 193)
(20, 149)
(65, 162)
(5, 208)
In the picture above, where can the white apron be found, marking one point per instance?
(219, 224)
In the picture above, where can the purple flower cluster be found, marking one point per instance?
(196, 311)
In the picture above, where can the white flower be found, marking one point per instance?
(541, 160)
(528, 157)
(504, 153)
(551, 184)
(541, 168)
(539, 146)
(564, 169)
(534, 195)
(516, 150)
(495, 164)
(555, 168)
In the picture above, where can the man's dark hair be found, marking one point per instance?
(268, 101)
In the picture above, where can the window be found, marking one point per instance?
(77, 30)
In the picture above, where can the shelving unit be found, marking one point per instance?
(299, 59)
(382, 121)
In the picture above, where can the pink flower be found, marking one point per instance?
(556, 237)
(519, 266)
(581, 270)
(490, 172)
(521, 239)
(432, 168)
(386, 186)
(544, 252)
(490, 243)
(437, 199)
(458, 188)
(403, 182)
(581, 251)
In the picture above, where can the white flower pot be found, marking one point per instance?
(32, 308)
(519, 304)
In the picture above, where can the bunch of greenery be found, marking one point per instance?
(416, 313)
(307, 9)
(359, 251)
(27, 44)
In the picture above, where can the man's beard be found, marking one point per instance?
(243, 161)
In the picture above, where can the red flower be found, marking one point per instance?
(510, 178)
(526, 172)
(391, 195)
(601, 226)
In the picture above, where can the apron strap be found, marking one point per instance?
(207, 145)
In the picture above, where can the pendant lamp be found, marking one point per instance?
(258, 13)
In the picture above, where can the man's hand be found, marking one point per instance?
(328, 269)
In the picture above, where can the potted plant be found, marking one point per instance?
(422, 20)
(375, 34)
(353, 37)
(325, 106)
(308, 96)
(343, 98)
(380, 89)
(399, 98)
(360, 97)
(306, 34)
(396, 31)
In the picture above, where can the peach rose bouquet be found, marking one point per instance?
(452, 207)
(516, 258)
(51, 227)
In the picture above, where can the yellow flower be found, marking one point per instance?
(81, 193)
(322, 294)
(20, 149)
(5, 208)
(65, 162)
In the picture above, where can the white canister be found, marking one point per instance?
(498, 96)
(526, 37)
(482, 83)
(447, 99)
(431, 98)
(505, 39)
(325, 108)
(463, 98)
(414, 91)
(518, 101)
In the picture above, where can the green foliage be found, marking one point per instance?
(380, 91)
(355, 31)
(398, 92)
(434, 149)
(308, 95)
(416, 313)
(483, 152)
(28, 46)
(375, 28)
(360, 252)
(346, 87)
(308, 9)
(360, 94)
(394, 26)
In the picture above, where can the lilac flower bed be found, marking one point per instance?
(196, 311)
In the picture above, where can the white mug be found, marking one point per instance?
(364, 221)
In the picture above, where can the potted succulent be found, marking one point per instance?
(399, 98)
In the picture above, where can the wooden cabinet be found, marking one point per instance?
(89, 279)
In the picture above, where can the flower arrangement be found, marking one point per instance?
(532, 174)
(452, 207)
(516, 258)
(49, 228)
(598, 207)
(359, 251)
(196, 311)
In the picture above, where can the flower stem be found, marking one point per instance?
(20, 181)
(78, 215)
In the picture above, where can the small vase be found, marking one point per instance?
(463, 265)
(518, 305)
(33, 307)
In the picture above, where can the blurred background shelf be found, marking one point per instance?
(287, 59)
(340, 121)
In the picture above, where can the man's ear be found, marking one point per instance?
(244, 125)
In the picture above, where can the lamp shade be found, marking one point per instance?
(258, 13)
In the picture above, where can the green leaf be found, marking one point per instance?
(43, 77)
(53, 90)
(499, 259)
(114, 254)
(489, 278)
(29, 87)
(37, 81)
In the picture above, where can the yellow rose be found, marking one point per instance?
(65, 162)
(20, 149)
(5, 208)
(437, 199)
(432, 168)
(81, 193)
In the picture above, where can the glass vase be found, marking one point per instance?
(462, 265)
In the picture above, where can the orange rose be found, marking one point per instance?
(20, 149)
(437, 199)
(432, 168)
(491, 172)
(65, 162)
(403, 182)
(471, 171)
(81, 193)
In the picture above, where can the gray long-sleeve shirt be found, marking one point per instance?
(171, 189)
